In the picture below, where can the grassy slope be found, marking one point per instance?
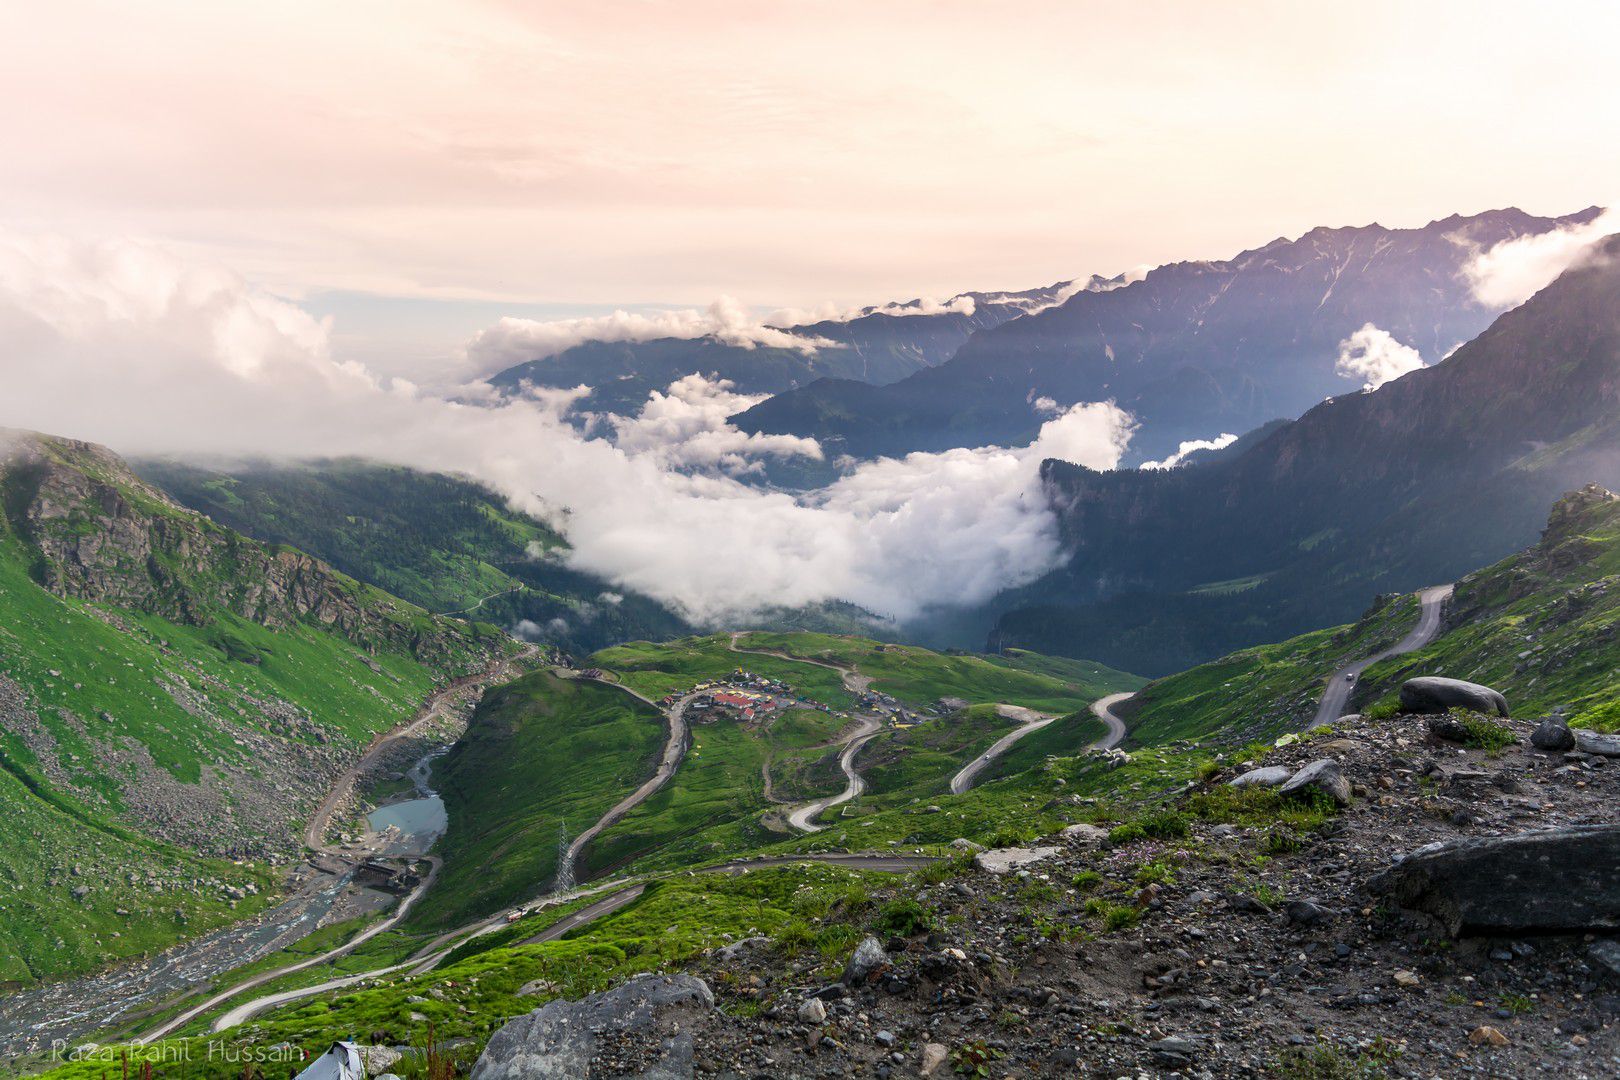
(1264, 690)
(440, 541)
(920, 676)
(99, 681)
(1541, 626)
(469, 998)
(540, 752)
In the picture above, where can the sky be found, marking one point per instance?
(298, 229)
(415, 169)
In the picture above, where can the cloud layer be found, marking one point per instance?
(514, 341)
(131, 345)
(1515, 270)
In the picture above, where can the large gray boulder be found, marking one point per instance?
(641, 1030)
(1596, 742)
(1323, 776)
(1551, 880)
(1265, 776)
(1432, 694)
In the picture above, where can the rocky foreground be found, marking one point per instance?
(1288, 925)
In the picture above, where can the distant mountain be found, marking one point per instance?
(1428, 477)
(1191, 350)
(879, 346)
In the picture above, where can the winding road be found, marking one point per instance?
(622, 897)
(1337, 695)
(674, 754)
(803, 818)
(1029, 721)
(1103, 709)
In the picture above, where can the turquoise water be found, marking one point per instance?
(414, 817)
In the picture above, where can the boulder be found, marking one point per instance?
(934, 1056)
(1432, 694)
(1006, 860)
(868, 961)
(379, 1059)
(1269, 776)
(1593, 742)
(813, 1011)
(1549, 880)
(1084, 835)
(1552, 735)
(641, 1030)
(1321, 775)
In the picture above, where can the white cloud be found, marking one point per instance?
(686, 427)
(130, 345)
(961, 304)
(514, 341)
(1191, 446)
(1373, 355)
(1510, 273)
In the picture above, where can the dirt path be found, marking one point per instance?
(854, 681)
(432, 709)
(1103, 709)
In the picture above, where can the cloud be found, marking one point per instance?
(131, 345)
(1191, 446)
(686, 427)
(1510, 273)
(961, 304)
(515, 341)
(1375, 356)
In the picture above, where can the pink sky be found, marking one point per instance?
(789, 153)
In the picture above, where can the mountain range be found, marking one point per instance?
(1192, 350)
(1417, 482)
(876, 345)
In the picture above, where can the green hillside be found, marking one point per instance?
(550, 750)
(542, 754)
(444, 542)
(173, 700)
(1539, 626)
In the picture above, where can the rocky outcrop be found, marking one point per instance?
(641, 1030)
(100, 533)
(1432, 694)
(1548, 880)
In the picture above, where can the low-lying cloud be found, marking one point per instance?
(1191, 446)
(130, 345)
(1510, 273)
(1374, 356)
(515, 341)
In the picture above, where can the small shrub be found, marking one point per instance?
(974, 1058)
(1155, 873)
(1086, 880)
(1484, 734)
(903, 918)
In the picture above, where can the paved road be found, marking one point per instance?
(1103, 709)
(674, 754)
(1030, 722)
(183, 1018)
(893, 864)
(804, 817)
(1337, 694)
